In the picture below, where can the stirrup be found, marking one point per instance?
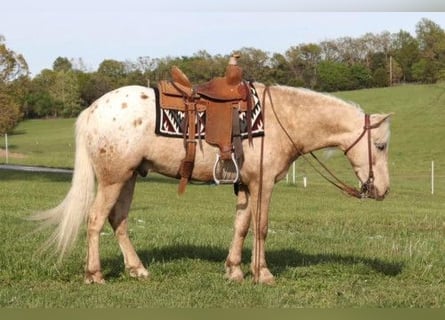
(224, 174)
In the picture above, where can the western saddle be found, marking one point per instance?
(222, 98)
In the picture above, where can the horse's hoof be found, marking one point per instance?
(95, 277)
(266, 277)
(139, 272)
(234, 274)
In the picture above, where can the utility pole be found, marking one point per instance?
(390, 71)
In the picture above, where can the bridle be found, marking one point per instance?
(368, 185)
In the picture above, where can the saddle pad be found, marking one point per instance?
(170, 123)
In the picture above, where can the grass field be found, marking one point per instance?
(325, 249)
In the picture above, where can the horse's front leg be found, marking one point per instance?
(260, 218)
(241, 228)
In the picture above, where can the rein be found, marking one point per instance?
(257, 263)
(333, 179)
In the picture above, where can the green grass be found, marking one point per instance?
(326, 250)
(42, 142)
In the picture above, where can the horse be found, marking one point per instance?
(116, 142)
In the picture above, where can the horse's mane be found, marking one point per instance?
(314, 94)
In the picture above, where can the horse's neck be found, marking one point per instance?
(324, 122)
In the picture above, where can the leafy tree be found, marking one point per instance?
(94, 86)
(361, 77)
(380, 77)
(431, 38)
(10, 115)
(65, 94)
(62, 64)
(255, 63)
(377, 61)
(333, 76)
(281, 72)
(40, 104)
(425, 70)
(114, 71)
(12, 67)
(12, 64)
(296, 63)
(405, 52)
(310, 56)
(39, 101)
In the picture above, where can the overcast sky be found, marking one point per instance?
(43, 30)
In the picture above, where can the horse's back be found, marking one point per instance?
(121, 106)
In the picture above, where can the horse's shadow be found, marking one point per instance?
(278, 260)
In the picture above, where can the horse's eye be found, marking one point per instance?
(380, 146)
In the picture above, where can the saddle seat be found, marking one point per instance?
(225, 88)
(221, 98)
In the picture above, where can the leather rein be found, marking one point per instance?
(367, 186)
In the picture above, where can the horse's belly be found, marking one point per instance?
(165, 155)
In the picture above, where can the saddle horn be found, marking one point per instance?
(234, 73)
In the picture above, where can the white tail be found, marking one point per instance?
(71, 213)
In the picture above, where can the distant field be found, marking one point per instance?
(42, 142)
(325, 249)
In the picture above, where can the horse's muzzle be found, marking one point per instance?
(374, 194)
(368, 190)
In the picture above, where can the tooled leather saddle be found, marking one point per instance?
(222, 98)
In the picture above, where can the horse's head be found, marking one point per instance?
(368, 154)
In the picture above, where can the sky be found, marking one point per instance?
(124, 30)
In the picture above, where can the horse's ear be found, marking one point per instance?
(389, 115)
(378, 119)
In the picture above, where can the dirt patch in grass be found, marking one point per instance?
(14, 155)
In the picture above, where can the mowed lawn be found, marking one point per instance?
(325, 249)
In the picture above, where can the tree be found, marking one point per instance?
(40, 103)
(94, 86)
(334, 76)
(296, 63)
(405, 52)
(65, 94)
(380, 77)
(114, 71)
(431, 38)
(10, 115)
(255, 64)
(311, 56)
(12, 64)
(12, 67)
(281, 72)
(360, 77)
(62, 64)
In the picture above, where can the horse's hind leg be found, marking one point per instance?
(241, 226)
(119, 221)
(105, 200)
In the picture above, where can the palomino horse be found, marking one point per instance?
(116, 140)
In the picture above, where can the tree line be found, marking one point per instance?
(346, 63)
